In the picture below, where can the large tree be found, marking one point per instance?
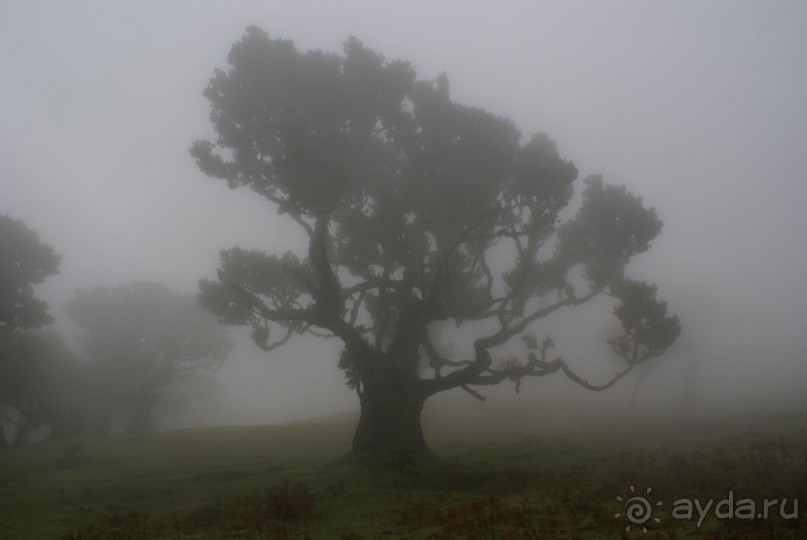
(417, 211)
(137, 338)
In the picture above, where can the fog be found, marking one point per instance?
(698, 107)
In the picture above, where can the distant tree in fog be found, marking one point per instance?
(24, 261)
(417, 210)
(137, 338)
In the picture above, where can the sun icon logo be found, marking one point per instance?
(638, 509)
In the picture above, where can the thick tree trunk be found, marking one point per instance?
(391, 396)
(389, 431)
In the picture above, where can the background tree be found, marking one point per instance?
(137, 338)
(40, 385)
(25, 261)
(417, 210)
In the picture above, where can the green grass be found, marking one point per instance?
(292, 481)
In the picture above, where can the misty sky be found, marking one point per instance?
(699, 107)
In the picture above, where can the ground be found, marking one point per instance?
(519, 480)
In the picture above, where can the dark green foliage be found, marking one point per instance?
(418, 210)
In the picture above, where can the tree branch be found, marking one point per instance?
(505, 333)
(283, 207)
(471, 374)
(474, 393)
(328, 292)
(276, 315)
(436, 360)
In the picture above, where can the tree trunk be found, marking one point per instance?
(389, 431)
(391, 397)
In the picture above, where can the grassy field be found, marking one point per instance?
(292, 481)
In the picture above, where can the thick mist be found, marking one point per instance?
(696, 107)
